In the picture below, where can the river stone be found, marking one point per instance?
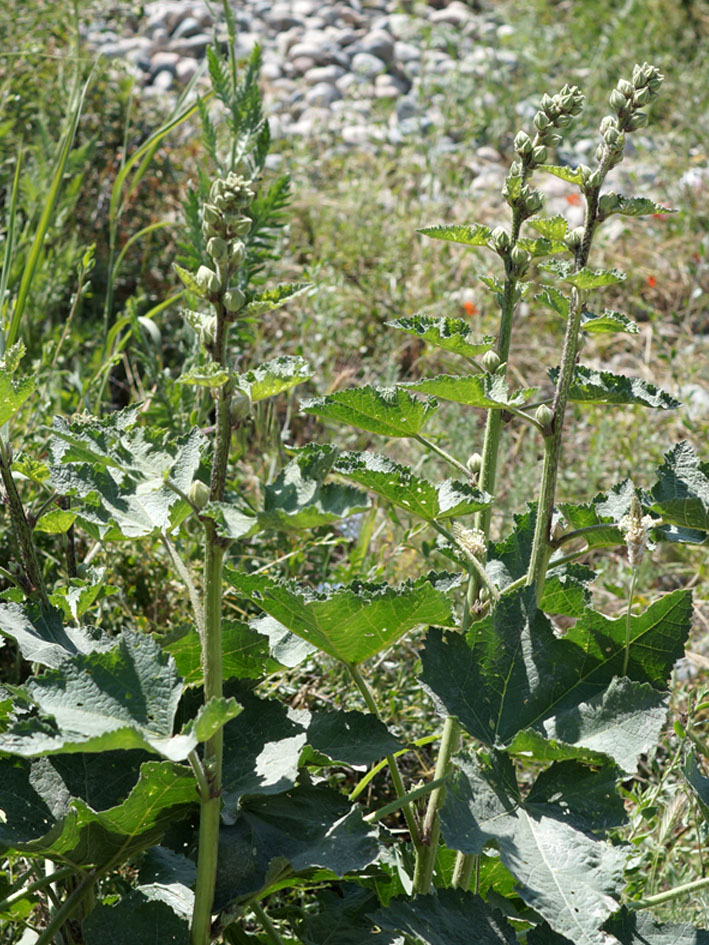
(188, 27)
(324, 74)
(322, 94)
(367, 65)
(191, 45)
(377, 43)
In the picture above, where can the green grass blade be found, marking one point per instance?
(9, 248)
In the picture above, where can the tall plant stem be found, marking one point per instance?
(541, 545)
(268, 926)
(214, 551)
(68, 908)
(628, 615)
(669, 894)
(391, 760)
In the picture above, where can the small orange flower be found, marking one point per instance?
(574, 199)
(470, 308)
(651, 282)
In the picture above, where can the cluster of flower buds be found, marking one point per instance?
(556, 112)
(636, 529)
(471, 541)
(224, 222)
(626, 100)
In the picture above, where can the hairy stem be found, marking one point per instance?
(628, 615)
(669, 894)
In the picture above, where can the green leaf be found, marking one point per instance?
(681, 493)
(262, 748)
(698, 782)
(451, 334)
(10, 361)
(555, 300)
(273, 377)
(211, 717)
(269, 299)
(566, 590)
(150, 921)
(350, 623)
(552, 228)
(305, 828)
(640, 928)
(42, 637)
(512, 673)
(350, 738)
(565, 874)
(166, 876)
(399, 485)
(635, 206)
(583, 278)
(190, 282)
(474, 234)
(301, 499)
(119, 473)
(571, 175)
(389, 411)
(606, 508)
(475, 390)
(55, 522)
(244, 654)
(543, 246)
(449, 917)
(601, 387)
(233, 521)
(344, 920)
(123, 698)
(621, 723)
(77, 595)
(609, 321)
(13, 394)
(45, 819)
(209, 374)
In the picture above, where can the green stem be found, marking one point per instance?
(268, 926)
(399, 802)
(580, 533)
(465, 865)
(38, 884)
(68, 908)
(391, 760)
(184, 573)
(426, 857)
(628, 615)
(443, 454)
(669, 894)
(475, 564)
(554, 563)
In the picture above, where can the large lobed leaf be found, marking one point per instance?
(473, 234)
(451, 334)
(301, 499)
(681, 494)
(270, 299)
(512, 673)
(43, 638)
(475, 390)
(451, 917)
(350, 623)
(389, 411)
(566, 874)
(13, 394)
(273, 377)
(584, 278)
(401, 486)
(602, 387)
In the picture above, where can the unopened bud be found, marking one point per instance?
(199, 494)
(552, 138)
(609, 121)
(539, 154)
(611, 137)
(544, 416)
(641, 97)
(625, 87)
(234, 300)
(239, 406)
(575, 238)
(637, 120)
(490, 361)
(500, 238)
(238, 253)
(563, 120)
(600, 152)
(474, 463)
(534, 201)
(208, 280)
(617, 100)
(239, 225)
(546, 102)
(218, 249)
(522, 143)
(541, 122)
(594, 180)
(520, 257)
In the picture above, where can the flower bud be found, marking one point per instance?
(544, 416)
(642, 97)
(210, 214)
(238, 224)
(610, 121)
(552, 138)
(575, 238)
(474, 463)
(534, 202)
(471, 541)
(611, 137)
(520, 259)
(239, 406)
(208, 280)
(515, 169)
(617, 100)
(600, 152)
(522, 143)
(539, 154)
(237, 253)
(234, 300)
(594, 180)
(199, 494)
(562, 121)
(541, 122)
(637, 120)
(218, 249)
(625, 87)
(500, 238)
(490, 361)
(546, 102)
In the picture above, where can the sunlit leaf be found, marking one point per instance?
(273, 377)
(474, 234)
(389, 411)
(451, 334)
(475, 390)
(681, 494)
(602, 387)
(269, 299)
(583, 278)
